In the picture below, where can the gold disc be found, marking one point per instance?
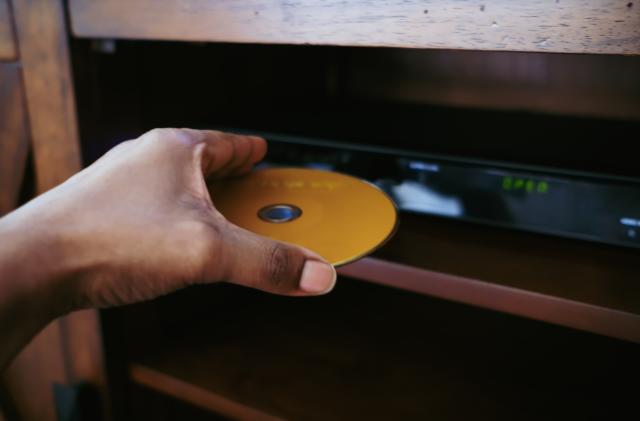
(337, 216)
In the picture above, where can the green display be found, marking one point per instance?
(510, 183)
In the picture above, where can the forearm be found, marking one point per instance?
(33, 273)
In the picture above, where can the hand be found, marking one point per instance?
(140, 223)
(145, 225)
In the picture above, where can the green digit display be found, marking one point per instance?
(543, 187)
(530, 186)
(519, 183)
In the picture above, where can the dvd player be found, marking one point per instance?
(586, 206)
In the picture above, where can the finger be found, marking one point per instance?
(259, 150)
(248, 151)
(229, 154)
(241, 153)
(273, 266)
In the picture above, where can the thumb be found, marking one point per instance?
(273, 266)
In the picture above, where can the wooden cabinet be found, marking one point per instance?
(448, 320)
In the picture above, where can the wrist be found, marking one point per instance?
(34, 280)
(36, 265)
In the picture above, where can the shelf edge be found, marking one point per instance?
(194, 395)
(560, 311)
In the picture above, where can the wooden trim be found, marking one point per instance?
(195, 395)
(84, 350)
(575, 26)
(44, 54)
(14, 136)
(74, 342)
(591, 318)
(29, 378)
(7, 43)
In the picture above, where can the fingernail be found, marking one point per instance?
(317, 277)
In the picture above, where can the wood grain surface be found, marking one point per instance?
(7, 44)
(69, 350)
(14, 136)
(42, 38)
(578, 26)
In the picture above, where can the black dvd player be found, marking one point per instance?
(572, 204)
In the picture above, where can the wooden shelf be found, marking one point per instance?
(193, 394)
(584, 26)
(370, 352)
(572, 283)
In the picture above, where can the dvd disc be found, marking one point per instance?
(340, 217)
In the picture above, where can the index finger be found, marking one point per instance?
(228, 154)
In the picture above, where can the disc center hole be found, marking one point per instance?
(279, 213)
